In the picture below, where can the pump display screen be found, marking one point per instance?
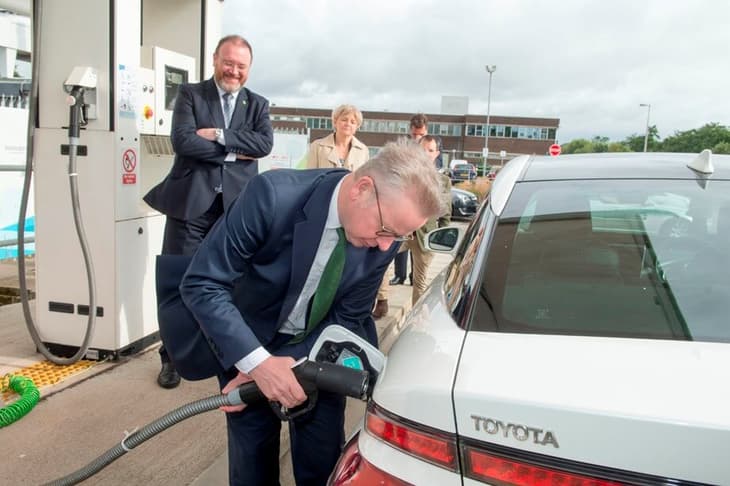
(174, 77)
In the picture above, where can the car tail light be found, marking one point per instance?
(493, 469)
(429, 445)
(352, 469)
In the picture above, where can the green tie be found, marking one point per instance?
(327, 287)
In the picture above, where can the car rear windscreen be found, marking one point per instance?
(620, 258)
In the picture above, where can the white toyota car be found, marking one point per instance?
(581, 336)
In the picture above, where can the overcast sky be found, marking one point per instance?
(589, 63)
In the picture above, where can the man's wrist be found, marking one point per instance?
(219, 136)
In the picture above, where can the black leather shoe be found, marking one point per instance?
(396, 281)
(168, 377)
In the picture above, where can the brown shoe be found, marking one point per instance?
(381, 309)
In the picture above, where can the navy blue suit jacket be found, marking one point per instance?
(189, 189)
(245, 278)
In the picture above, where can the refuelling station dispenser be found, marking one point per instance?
(131, 57)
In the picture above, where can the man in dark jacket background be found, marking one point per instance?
(219, 130)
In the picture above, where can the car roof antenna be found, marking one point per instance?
(703, 163)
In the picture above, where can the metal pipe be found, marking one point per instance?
(490, 70)
(12, 168)
(648, 114)
(14, 241)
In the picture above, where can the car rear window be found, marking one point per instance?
(620, 258)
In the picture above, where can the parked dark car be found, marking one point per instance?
(464, 204)
(463, 172)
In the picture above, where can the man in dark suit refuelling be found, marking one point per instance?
(298, 251)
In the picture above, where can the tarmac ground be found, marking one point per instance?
(88, 413)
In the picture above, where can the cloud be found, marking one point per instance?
(589, 63)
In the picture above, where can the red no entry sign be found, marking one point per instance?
(554, 150)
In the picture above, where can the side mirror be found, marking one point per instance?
(341, 346)
(444, 240)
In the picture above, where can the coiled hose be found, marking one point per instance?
(29, 396)
(136, 438)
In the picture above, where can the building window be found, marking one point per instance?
(472, 155)
(319, 123)
(473, 130)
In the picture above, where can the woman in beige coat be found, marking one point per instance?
(341, 148)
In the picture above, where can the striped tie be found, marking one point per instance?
(227, 108)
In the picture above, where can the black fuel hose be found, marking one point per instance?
(311, 375)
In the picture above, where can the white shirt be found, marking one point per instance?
(295, 323)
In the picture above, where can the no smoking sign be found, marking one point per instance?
(129, 164)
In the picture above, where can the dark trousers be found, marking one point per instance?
(316, 438)
(184, 237)
(401, 265)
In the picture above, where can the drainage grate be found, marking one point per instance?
(45, 373)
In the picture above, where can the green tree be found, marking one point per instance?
(600, 144)
(577, 146)
(721, 148)
(597, 144)
(711, 136)
(617, 147)
(696, 140)
(635, 143)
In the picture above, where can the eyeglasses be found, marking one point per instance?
(385, 232)
(231, 65)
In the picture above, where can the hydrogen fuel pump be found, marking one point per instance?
(80, 84)
(126, 62)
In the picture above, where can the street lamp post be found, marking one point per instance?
(648, 114)
(490, 70)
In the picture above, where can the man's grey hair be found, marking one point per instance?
(235, 40)
(403, 169)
